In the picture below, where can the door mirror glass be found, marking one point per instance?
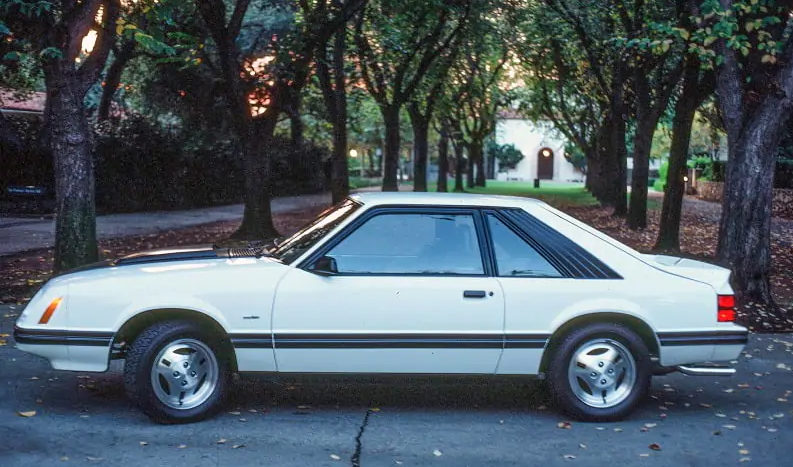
(325, 266)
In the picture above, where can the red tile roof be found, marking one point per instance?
(25, 101)
(510, 114)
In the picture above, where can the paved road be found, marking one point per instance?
(23, 234)
(88, 421)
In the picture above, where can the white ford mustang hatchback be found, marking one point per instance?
(395, 283)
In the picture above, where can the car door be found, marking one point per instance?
(411, 293)
(537, 290)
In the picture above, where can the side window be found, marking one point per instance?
(514, 256)
(411, 244)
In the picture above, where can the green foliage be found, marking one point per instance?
(575, 156)
(507, 155)
(663, 173)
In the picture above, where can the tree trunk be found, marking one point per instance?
(113, 79)
(460, 166)
(481, 174)
(295, 119)
(443, 161)
(606, 168)
(642, 144)
(685, 108)
(340, 178)
(392, 143)
(745, 226)
(257, 219)
(70, 143)
(421, 128)
(470, 182)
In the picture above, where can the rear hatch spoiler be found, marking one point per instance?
(700, 271)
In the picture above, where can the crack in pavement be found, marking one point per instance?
(355, 460)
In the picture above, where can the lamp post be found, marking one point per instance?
(354, 155)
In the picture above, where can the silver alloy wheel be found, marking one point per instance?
(602, 373)
(184, 374)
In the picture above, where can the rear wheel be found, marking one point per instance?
(176, 373)
(600, 372)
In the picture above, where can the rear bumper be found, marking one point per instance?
(65, 349)
(687, 348)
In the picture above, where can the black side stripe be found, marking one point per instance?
(676, 339)
(61, 337)
(390, 341)
(526, 341)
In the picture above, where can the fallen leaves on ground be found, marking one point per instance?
(335, 457)
(655, 447)
(564, 425)
(28, 414)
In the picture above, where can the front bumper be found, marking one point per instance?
(67, 349)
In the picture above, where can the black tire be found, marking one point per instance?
(140, 358)
(560, 386)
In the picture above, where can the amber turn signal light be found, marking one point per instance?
(45, 318)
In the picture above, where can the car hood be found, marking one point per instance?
(715, 276)
(194, 253)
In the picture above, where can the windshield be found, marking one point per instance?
(294, 246)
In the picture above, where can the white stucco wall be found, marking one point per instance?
(530, 139)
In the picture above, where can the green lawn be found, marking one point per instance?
(551, 192)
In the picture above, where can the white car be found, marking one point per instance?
(395, 283)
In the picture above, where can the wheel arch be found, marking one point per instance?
(136, 324)
(634, 323)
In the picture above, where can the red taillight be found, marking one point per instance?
(726, 311)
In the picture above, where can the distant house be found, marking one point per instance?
(543, 151)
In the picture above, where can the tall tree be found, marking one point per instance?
(480, 73)
(656, 63)
(421, 109)
(396, 43)
(593, 28)
(754, 77)
(331, 56)
(272, 69)
(695, 87)
(55, 32)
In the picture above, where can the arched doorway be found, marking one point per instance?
(545, 164)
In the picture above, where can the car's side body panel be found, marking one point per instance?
(284, 318)
(387, 324)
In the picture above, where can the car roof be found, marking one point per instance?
(375, 198)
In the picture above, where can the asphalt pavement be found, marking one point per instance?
(86, 419)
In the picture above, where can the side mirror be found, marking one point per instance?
(325, 266)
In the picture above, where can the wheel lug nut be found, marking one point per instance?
(593, 374)
(602, 381)
(185, 364)
(192, 373)
(184, 383)
(600, 364)
(611, 371)
(175, 374)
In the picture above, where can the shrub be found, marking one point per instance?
(141, 167)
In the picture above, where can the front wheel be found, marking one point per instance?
(175, 373)
(600, 372)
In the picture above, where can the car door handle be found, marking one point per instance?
(474, 294)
